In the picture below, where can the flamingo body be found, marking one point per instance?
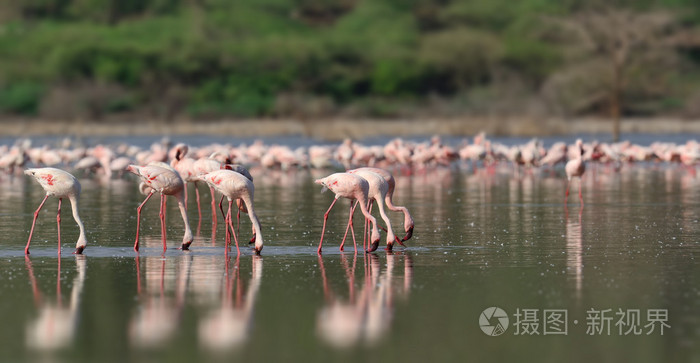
(378, 188)
(162, 178)
(60, 184)
(352, 187)
(391, 182)
(236, 186)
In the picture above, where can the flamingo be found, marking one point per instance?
(165, 180)
(575, 168)
(236, 186)
(354, 188)
(59, 184)
(378, 188)
(183, 165)
(240, 169)
(203, 166)
(408, 220)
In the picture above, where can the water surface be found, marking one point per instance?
(483, 239)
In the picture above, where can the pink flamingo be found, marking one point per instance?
(203, 166)
(575, 168)
(408, 220)
(354, 188)
(165, 180)
(59, 184)
(240, 169)
(183, 165)
(378, 188)
(236, 186)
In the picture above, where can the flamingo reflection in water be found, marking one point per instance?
(367, 313)
(55, 326)
(159, 314)
(574, 249)
(229, 326)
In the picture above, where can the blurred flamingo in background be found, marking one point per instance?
(575, 168)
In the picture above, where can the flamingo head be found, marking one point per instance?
(322, 182)
(409, 234)
(373, 247)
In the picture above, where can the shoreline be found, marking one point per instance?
(338, 129)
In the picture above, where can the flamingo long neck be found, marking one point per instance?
(82, 239)
(248, 200)
(407, 219)
(389, 229)
(187, 238)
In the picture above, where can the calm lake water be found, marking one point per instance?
(627, 261)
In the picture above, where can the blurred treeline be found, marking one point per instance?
(199, 59)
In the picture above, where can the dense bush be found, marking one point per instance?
(248, 58)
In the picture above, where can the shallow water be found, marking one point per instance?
(482, 239)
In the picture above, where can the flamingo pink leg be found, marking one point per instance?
(221, 207)
(325, 218)
(225, 217)
(365, 235)
(58, 223)
(227, 240)
(213, 205)
(199, 208)
(138, 219)
(36, 214)
(580, 192)
(161, 214)
(230, 223)
(185, 191)
(350, 227)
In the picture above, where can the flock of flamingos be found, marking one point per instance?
(165, 169)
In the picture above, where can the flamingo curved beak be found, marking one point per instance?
(79, 250)
(408, 236)
(185, 246)
(373, 247)
(257, 250)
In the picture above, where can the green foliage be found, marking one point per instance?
(22, 98)
(215, 58)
